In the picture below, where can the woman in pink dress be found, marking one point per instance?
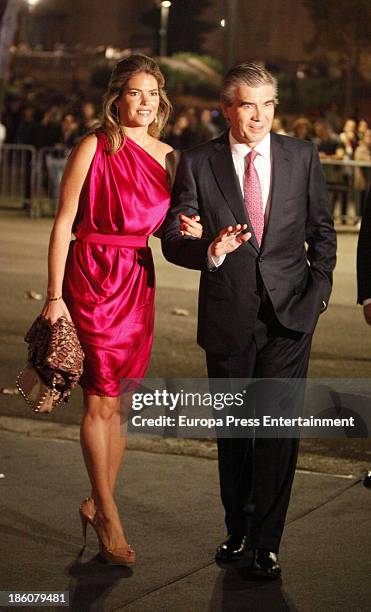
(114, 195)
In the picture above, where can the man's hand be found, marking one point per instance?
(229, 239)
(367, 313)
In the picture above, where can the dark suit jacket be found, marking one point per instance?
(297, 280)
(364, 255)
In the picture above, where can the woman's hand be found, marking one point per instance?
(190, 226)
(229, 239)
(54, 309)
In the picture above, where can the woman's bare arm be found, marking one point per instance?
(73, 179)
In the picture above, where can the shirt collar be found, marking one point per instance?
(239, 149)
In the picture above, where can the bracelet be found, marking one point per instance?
(55, 299)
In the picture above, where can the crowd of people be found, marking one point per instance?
(61, 124)
(336, 140)
(53, 127)
(26, 124)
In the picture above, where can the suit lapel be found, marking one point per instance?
(224, 172)
(281, 175)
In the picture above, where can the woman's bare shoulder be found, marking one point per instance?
(165, 147)
(88, 144)
(81, 157)
(85, 149)
(162, 147)
(159, 150)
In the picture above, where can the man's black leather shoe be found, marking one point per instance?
(265, 564)
(232, 549)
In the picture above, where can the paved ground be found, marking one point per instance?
(172, 515)
(169, 498)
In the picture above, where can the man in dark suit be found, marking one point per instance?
(261, 289)
(364, 262)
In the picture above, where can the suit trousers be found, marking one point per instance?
(256, 474)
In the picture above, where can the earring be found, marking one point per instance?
(156, 119)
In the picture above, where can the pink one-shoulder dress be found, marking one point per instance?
(109, 280)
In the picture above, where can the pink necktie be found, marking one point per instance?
(253, 196)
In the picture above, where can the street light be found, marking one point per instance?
(25, 12)
(165, 6)
(26, 26)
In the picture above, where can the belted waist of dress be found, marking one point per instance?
(115, 240)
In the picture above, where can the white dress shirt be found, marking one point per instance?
(262, 164)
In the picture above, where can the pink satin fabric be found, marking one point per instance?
(109, 288)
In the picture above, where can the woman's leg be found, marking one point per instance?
(116, 450)
(118, 439)
(103, 447)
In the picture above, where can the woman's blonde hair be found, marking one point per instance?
(121, 74)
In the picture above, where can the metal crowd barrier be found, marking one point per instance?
(30, 180)
(50, 165)
(348, 183)
(17, 176)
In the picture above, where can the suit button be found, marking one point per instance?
(260, 259)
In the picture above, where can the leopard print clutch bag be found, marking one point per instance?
(55, 363)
